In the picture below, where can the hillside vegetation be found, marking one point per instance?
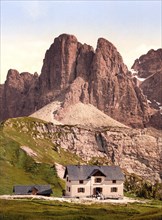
(18, 167)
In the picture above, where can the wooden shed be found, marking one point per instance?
(44, 190)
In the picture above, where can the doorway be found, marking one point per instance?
(97, 191)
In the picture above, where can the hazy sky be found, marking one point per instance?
(28, 28)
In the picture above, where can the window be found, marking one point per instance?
(98, 180)
(114, 189)
(69, 189)
(81, 181)
(81, 190)
(67, 178)
(113, 181)
(69, 181)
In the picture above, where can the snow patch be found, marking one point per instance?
(158, 103)
(134, 72)
(148, 101)
(140, 79)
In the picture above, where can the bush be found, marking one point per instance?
(142, 188)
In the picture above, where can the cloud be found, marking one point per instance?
(33, 9)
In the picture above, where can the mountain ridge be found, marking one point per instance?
(74, 72)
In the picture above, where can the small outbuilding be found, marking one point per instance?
(44, 190)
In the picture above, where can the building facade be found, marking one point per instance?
(89, 181)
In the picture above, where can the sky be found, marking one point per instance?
(29, 27)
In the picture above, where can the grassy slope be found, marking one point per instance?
(16, 167)
(44, 210)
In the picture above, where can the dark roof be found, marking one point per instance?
(26, 190)
(83, 172)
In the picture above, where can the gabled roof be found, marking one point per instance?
(26, 190)
(83, 172)
(97, 172)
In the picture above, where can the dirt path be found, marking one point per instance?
(125, 200)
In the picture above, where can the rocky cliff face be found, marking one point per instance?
(73, 72)
(112, 89)
(149, 66)
(152, 88)
(58, 69)
(65, 60)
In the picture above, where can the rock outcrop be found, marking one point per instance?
(148, 64)
(74, 72)
(18, 94)
(135, 150)
(1, 101)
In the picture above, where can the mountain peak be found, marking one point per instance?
(69, 37)
(12, 74)
(102, 42)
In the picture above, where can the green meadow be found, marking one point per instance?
(47, 210)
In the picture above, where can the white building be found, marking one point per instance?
(85, 181)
